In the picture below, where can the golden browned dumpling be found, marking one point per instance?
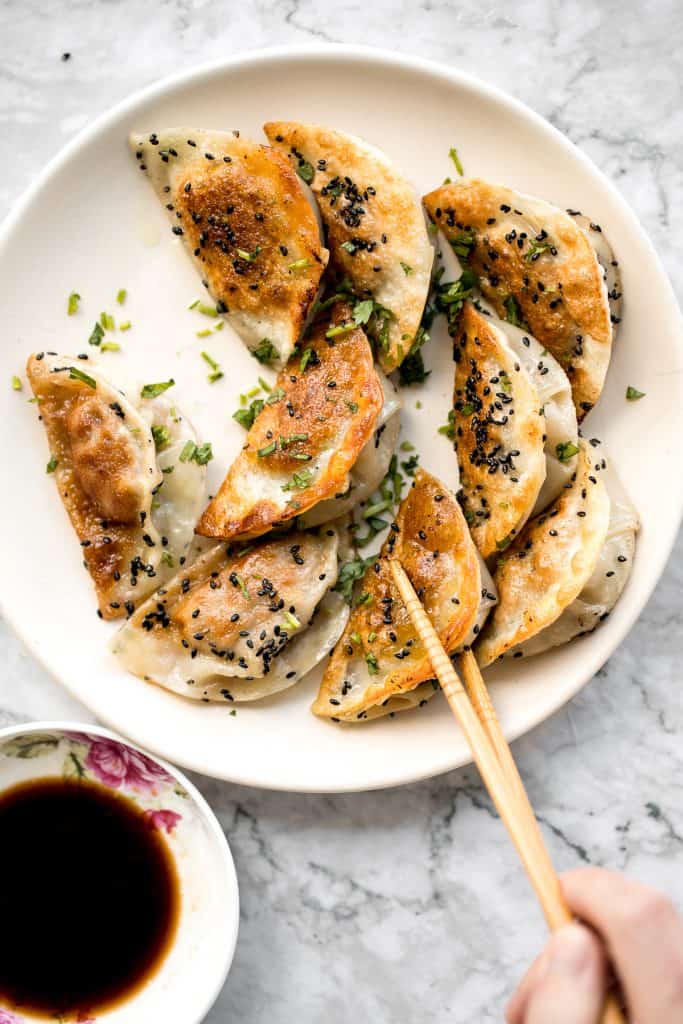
(538, 267)
(499, 432)
(304, 443)
(239, 625)
(379, 665)
(240, 209)
(131, 496)
(375, 228)
(547, 566)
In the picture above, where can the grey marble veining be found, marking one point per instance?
(409, 905)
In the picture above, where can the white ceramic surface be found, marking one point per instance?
(96, 208)
(192, 973)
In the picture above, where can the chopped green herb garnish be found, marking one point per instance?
(299, 481)
(536, 248)
(407, 270)
(204, 333)
(162, 437)
(365, 598)
(292, 620)
(513, 313)
(204, 308)
(167, 559)
(286, 442)
(125, 325)
(463, 243)
(305, 171)
(335, 332)
(410, 465)
(265, 352)
(121, 296)
(453, 154)
(153, 390)
(352, 407)
(241, 584)
(406, 446)
(193, 305)
(268, 450)
(349, 572)
(201, 454)
(349, 247)
(96, 335)
(448, 429)
(250, 257)
(16, 384)
(76, 374)
(305, 359)
(371, 662)
(110, 346)
(566, 451)
(52, 464)
(107, 321)
(450, 297)
(246, 417)
(504, 543)
(633, 394)
(299, 264)
(72, 303)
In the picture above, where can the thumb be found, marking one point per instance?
(572, 989)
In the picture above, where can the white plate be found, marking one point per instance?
(91, 223)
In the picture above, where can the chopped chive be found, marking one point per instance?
(292, 620)
(335, 332)
(355, 637)
(406, 446)
(268, 450)
(107, 321)
(275, 396)
(204, 308)
(305, 170)
(265, 352)
(76, 374)
(265, 386)
(242, 585)
(125, 325)
(364, 599)
(162, 437)
(220, 325)
(121, 296)
(110, 346)
(566, 450)
(167, 559)
(379, 506)
(453, 154)
(153, 390)
(96, 335)
(16, 384)
(250, 257)
(299, 264)
(193, 305)
(371, 662)
(216, 375)
(299, 481)
(210, 360)
(72, 303)
(52, 464)
(407, 269)
(204, 333)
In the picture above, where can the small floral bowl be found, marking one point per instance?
(192, 974)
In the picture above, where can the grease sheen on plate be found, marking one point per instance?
(418, 113)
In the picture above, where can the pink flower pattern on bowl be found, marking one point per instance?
(161, 821)
(8, 1018)
(115, 766)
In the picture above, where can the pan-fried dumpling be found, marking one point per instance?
(515, 427)
(240, 209)
(379, 666)
(554, 559)
(239, 625)
(370, 467)
(539, 269)
(304, 443)
(375, 228)
(610, 575)
(131, 497)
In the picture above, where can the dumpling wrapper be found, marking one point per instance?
(134, 522)
(379, 665)
(308, 439)
(544, 270)
(549, 563)
(499, 432)
(248, 225)
(370, 467)
(610, 575)
(239, 626)
(376, 231)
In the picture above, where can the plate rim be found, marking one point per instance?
(381, 58)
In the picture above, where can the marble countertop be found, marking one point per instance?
(409, 905)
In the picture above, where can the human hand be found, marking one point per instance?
(643, 936)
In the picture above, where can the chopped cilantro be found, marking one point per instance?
(536, 248)
(513, 313)
(305, 170)
(633, 394)
(448, 429)
(52, 464)
(265, 352)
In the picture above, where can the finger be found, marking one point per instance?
(644, 938)
(516, 1008)
(572, 990)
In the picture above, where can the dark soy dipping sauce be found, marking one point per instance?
(89, 898)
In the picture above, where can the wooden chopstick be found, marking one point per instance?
(496, 765)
